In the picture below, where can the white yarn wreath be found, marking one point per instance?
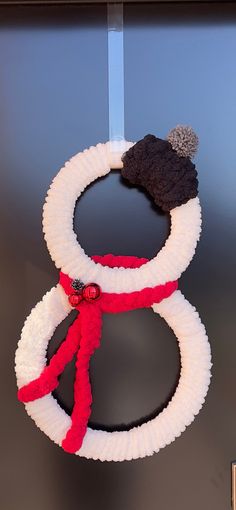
(68, 255)
(168, 265)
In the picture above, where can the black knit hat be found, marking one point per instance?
(164, 167)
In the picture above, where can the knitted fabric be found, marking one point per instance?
(169, 178)
(83, 338)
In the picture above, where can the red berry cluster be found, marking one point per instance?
(90, 292)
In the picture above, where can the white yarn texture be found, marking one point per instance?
(168, 265)
(68, 255)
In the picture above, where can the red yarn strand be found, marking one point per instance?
(90, 340)
(48, 380)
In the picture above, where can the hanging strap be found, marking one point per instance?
(115, 72)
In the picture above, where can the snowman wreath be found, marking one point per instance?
(114, 284)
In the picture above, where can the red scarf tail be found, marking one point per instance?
(48, 379)
(90, 340)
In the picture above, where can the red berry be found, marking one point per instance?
(75, 299)
(91, 292)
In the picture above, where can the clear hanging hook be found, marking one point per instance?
(115, 73)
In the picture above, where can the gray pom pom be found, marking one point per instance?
(183, 140)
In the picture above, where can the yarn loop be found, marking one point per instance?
(83, 338)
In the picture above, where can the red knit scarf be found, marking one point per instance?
(83, 338)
